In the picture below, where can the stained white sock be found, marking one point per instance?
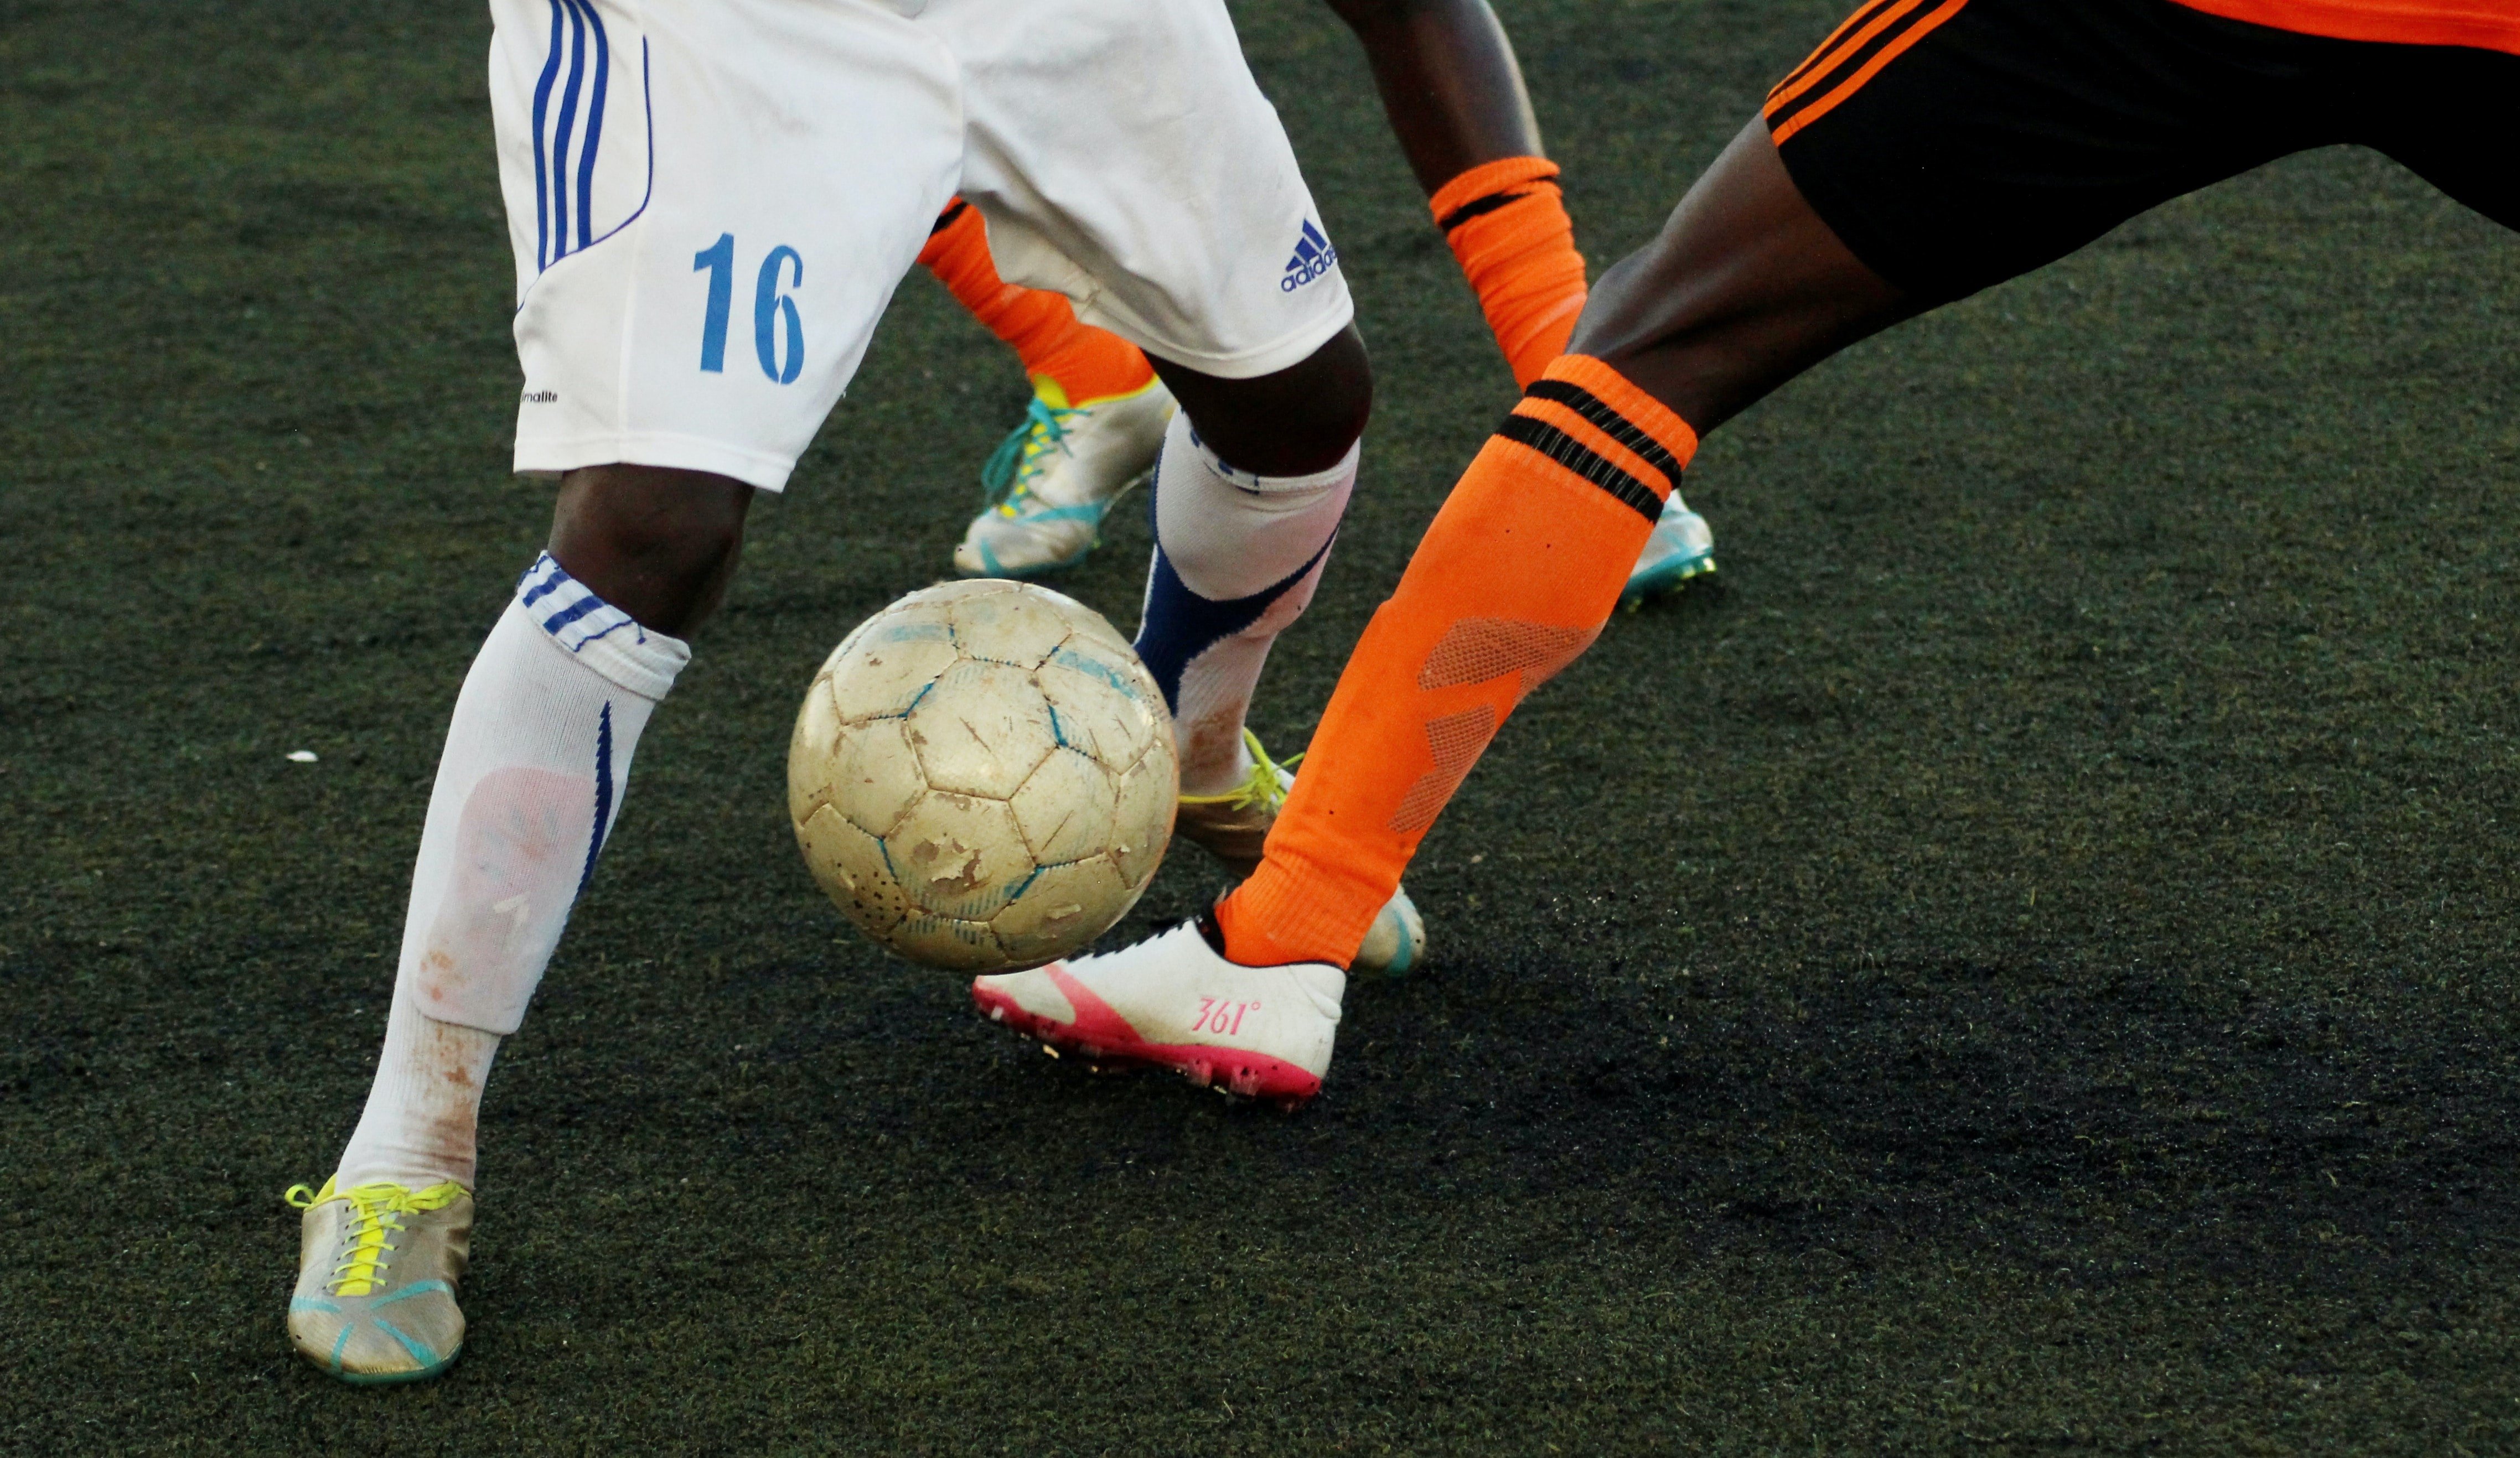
(530, 783)
(1237, 559)
(419, 1124)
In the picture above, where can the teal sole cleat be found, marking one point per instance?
(1680, 547)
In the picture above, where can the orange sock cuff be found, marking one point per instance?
(1507, 224)
(1505, 175)
(1511, 583)
(1085, 363)
(1271, 920)
(957, 252)
(1641, 428)
(1091, 365)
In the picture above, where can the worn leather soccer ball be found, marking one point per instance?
(984, 777)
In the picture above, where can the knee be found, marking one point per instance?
(1296, 422)
(1330, 407)
(1627, 311)
(1700, 356)
(657, 542)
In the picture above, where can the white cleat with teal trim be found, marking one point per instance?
(376, 1270)
(1680, 547)
(1058, 475)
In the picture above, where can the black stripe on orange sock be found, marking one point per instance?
(1478, 208)
(1583, 461)
(1611, 423)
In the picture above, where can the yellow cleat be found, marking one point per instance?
(377, 1269)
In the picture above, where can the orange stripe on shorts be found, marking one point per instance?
(1824, 49)
(1831, 54)
(1854, 83)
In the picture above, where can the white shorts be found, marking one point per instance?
(711, 202)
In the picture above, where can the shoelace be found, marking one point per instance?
(1261, 789)
(1007, 476)
(376, 1211)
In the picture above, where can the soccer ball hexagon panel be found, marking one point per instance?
(983, 777)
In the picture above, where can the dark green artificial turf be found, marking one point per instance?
(2026, 962)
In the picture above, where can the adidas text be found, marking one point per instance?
(1314, 258)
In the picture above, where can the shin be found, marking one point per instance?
(1254, 479)
(529, 786)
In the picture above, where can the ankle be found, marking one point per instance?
(1214, 764)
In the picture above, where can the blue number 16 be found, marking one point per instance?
(770, 309)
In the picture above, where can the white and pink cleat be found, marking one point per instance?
(1174, 1002)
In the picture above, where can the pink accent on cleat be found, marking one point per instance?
(1100, 1034)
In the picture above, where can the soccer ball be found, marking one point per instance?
(984, 777)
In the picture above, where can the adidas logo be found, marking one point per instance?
(1314, 258)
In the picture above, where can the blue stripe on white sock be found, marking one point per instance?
(561, 618)
(563, 607)
(539, 580)
(1181, 624)
(603, 797)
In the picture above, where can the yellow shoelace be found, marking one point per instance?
(1006, 477)
(376, 1211)
(1261, 789)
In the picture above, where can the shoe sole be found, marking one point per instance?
(1664, 577)
(389, 1379)
(1104, 1039)
(382, 1379)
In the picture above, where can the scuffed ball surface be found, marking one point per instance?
(983, 777)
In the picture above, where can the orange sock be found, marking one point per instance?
(1507, 225)
(1084, 362)
(1513, 580)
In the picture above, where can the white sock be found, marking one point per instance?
(1237, 559)
(418, 1127)
(531, 784)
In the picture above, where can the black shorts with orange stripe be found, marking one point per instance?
(1953, 143)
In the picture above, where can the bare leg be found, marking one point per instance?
(1302, 419)
(656, 543)
(1449, 83)
(1744, 288)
